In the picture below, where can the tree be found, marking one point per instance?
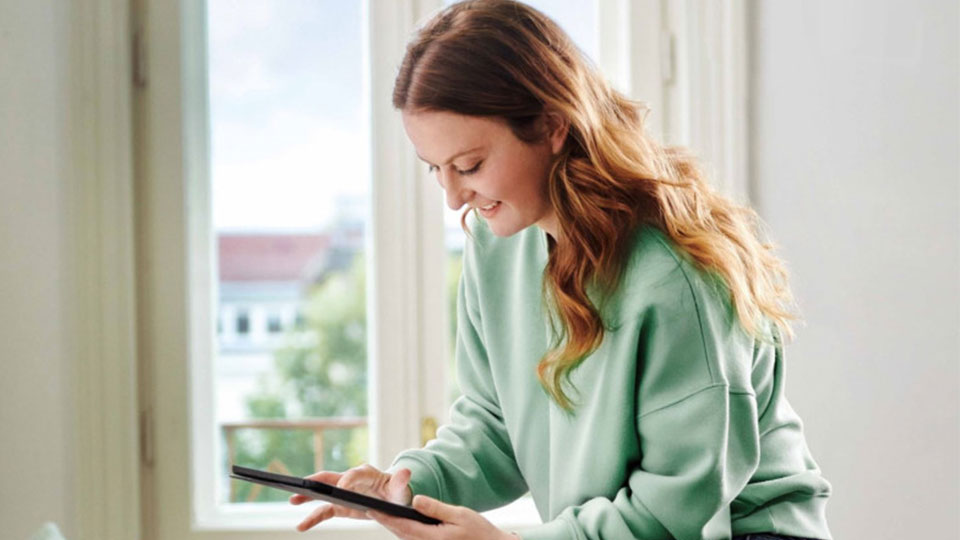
(321, 371)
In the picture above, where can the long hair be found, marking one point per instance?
(504, 59)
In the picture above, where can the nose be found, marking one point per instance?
(457, 194)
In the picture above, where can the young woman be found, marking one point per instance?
(619, 323)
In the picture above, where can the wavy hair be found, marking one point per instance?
(504, 59)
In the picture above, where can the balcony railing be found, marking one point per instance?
(316, 425)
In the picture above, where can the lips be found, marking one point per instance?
(490, 209)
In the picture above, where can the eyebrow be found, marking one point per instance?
(453, 157)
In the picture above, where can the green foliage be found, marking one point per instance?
(321, 371)
(325, 368)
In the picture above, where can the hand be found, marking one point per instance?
(459, 523)
(365, 479)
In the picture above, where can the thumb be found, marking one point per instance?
(400, 478)
(434, 508)
(397, 486)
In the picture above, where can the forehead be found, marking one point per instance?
(439, 135)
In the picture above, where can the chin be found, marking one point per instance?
(503, 231)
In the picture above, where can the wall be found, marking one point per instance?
(854, 149)
(35, 458)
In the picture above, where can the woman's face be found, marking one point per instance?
(480, 163)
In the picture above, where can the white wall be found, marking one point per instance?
(34, 439)
(855, 145)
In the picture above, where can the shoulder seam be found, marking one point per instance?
(684, 398)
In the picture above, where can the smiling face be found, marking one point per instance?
(479, 162)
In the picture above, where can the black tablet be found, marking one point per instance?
(329, 493)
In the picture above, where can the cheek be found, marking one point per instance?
(518, 179)
(531, 183)
(514, 179)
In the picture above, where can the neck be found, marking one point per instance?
(550, 226)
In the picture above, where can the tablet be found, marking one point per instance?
(329, 493)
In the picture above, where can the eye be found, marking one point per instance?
(472, 170)
(475, 168)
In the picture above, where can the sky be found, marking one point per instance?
(289, 144)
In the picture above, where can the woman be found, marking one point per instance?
(619, 323)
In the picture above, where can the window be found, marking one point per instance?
(274, 325)
(290, 196)
(243, 322)
(299, 322)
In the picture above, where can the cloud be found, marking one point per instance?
(298, 187)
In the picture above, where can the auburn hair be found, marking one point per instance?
(504, 59)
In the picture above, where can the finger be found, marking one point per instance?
(383, 520)
(363, 479)
(400, 479)
(434, 508)
(299, 499)
(404, 528)
(390, 523)
(327, 477)
(397, 486)
(326, 512)
(319, 515)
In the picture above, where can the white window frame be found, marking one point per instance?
(99, 289)
(119, 261)
(704, 65)
(175, 147)
(688, 60)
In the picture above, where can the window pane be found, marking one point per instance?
(289, 160)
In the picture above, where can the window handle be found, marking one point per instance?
(428, 430)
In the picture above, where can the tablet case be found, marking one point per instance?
(329, 493)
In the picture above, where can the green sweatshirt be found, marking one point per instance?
(682, 431)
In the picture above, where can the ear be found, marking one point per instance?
(557, 128)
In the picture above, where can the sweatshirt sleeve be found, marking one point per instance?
(471, 462)
(697, 455)
(699, 443)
